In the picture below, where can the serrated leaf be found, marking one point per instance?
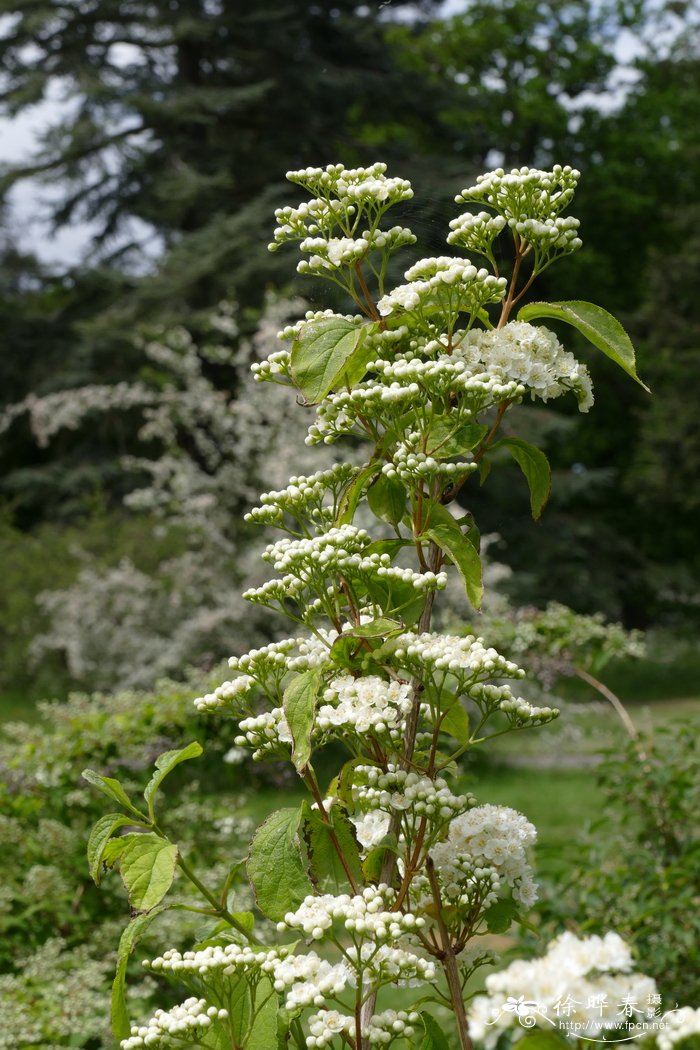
(165, 763)
(500, 916)
(121, 1026)
(387, 499)
(445, 440)
(456, 722)
(434, 1038)
(112, 789)
(99, 837)
(535, 466)
(300, 708)
(275, 867)
(465, 556)
(321, 353)
(325, 866)
(598, 326)
(147, 867)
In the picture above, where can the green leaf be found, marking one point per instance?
(387, 499)
(275, 867)
(543, 1039)
(465, 556)
(373, 863)
(445, 440)
(535, 466)
(325, 866)
(263, 1035)
(147, 866)
(352, 493)
(112, 789)
(379, 628)
(500, 916)
(456, 722)
(321, 353)
(121, 1026)
(434, 1038)
(598, 326)
(99, 837)
(300, 707)
(397, 598)
(164, 764)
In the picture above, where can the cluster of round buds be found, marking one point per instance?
(226, 698)
(389, 965)
(274, 369)
(364, 915)
(257, 663)
(364, 704)
(391, 1024)
(410, 464)
(311, 980)
(476, 233)
(338, 413)
(333, 253)
(358, 185)
(524, 192)
(447, 285)
(266, 733)
(326, 1025)
(330, 551)
(293, 331)
(408, 793)
(303, 498)
(463, 656)
(182, 1023)
(227, 959)
(520, 713)
(308, 218)
(464, 883)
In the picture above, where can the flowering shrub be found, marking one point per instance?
(386, 876)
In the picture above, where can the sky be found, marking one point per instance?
(68, 246)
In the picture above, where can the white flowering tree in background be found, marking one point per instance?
(387, 875)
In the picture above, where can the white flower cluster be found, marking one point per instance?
(532, 356)
(451, 286)
(335, 252)
(371, 827)
(530, 200)
(309, 980)
(589, 971)
(486, 839)
(225, 698)
(171, 1027)
(678, 1026)
(365, 915)
(326, 1025)
(303, 498)
(365, 704)
(399, 791)
(309, 563)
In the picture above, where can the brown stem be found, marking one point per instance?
(449, 963)
(371, 306)
(312, 784)
(617, 704)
